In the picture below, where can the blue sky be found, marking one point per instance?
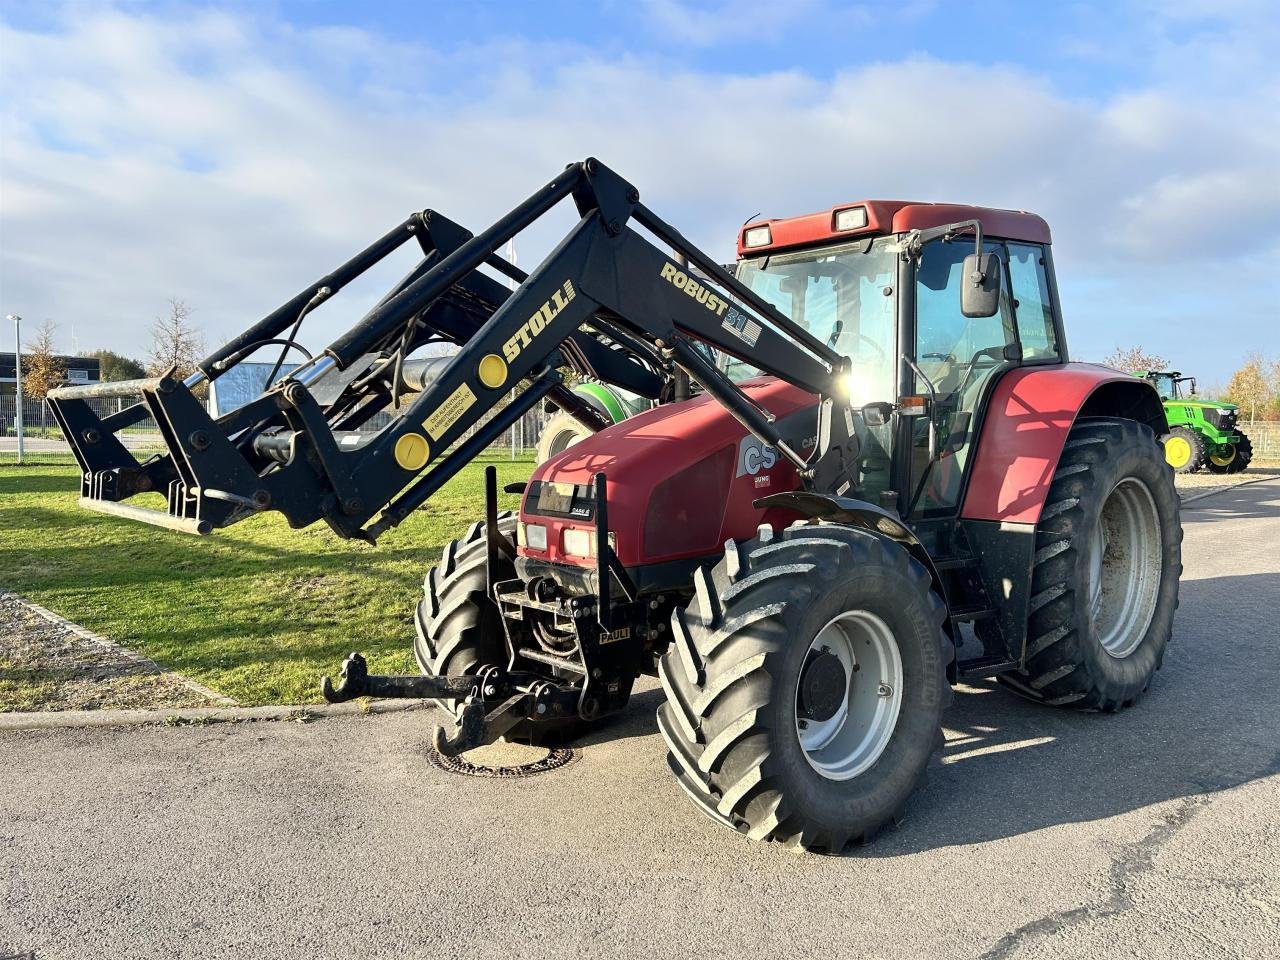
(228, 154)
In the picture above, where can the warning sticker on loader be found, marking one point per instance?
(447, 414)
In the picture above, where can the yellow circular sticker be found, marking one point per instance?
(412, 451)
(492, 371)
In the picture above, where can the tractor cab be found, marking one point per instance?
(884, 284)
(1168, 383)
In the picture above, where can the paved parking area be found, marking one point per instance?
(1044, 833)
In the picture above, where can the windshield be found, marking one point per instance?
(843, 295)
(1165, 385)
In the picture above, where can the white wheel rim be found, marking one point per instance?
(1125, 568)
(846, 744)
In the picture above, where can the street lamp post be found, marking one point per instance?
(17, 332)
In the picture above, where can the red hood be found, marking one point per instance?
(676, 482)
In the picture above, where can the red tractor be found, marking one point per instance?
(886, 443)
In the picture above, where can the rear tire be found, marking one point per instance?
(1104, 582)
(733, 718)
(1242, 454)
(1184, 450)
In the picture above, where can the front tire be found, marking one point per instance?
(459, 628)
(1104, 583)
(756, 737)
(1238, 459)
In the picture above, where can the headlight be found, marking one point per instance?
(533, 536)
(756, 237)
(577, 542)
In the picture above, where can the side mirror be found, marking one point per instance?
(980, 285)
(877, 414)
(1193, 386)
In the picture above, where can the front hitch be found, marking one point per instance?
(477, 724)
(356, 681)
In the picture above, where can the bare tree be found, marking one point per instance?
(1133, 359)
(42, 369)
(175, 342)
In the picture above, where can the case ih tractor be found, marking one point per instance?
(1202, 433)
(892, 478)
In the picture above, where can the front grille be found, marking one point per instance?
(1221, 419)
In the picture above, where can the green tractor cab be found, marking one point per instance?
(1202, 433)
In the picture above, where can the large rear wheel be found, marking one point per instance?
(1184, 450)
(1104, 583)
(805, 685)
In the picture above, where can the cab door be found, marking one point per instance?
(958, 356)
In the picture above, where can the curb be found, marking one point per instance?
(1234, 486)
(70, 719)
(116, 648)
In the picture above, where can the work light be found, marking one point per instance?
(852, 218)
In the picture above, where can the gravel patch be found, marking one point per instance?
(1203, 483)
(46, 665)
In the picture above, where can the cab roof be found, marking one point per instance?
(887, 217)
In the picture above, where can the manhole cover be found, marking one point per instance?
(503, 760)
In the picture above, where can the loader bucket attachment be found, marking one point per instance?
(608, 302)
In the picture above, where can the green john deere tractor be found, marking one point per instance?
(1202, 433)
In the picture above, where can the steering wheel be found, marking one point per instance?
(994, 354)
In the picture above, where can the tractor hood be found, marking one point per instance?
(680, 480)
(1204, 404)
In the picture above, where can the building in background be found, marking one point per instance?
(79, 370)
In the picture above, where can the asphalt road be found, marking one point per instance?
(1044, 833)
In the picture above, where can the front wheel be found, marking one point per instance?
(1233, 458)
(805, 685)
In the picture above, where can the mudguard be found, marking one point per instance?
(1026, 423)
(858, 513)
(1028, 418)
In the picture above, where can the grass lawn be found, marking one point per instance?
(257, 611)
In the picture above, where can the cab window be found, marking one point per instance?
(952, 349)
(1031, 302)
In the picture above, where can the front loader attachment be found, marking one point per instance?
(608, 303)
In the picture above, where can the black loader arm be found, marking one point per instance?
(608, 302)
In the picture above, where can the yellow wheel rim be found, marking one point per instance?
(1223, 459)
(1177, 451)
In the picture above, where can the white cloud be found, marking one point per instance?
(225, 159)
(727, 20)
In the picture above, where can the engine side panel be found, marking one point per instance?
(1026, 424)
(681, 478)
